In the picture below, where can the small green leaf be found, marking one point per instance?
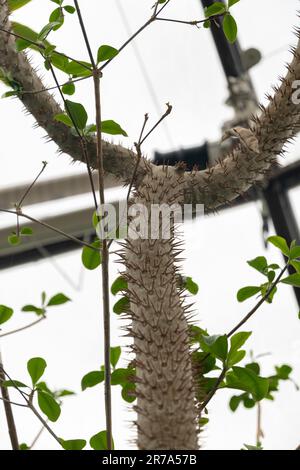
(48, 405)
(216, 8)
(216, 345)
(24, 446)
(283, 372)
(91, 259)
(33, 309)
(245, 379)
(13, 383)
(47, 30)
(79, 69)
(5, 314)
(99, 441)
(236, 357)
(259, 263)
(77, 113)
(235, 402)
(64, 118)
(36, 368)
(121, 306)
(295, 252)
(247, 292)
(230, 28)
(280, 243)
(128, 393)
(292, 280)
(191, 286)
(91, 379)
(26, 231)
(238, 340)
(73, 444)
(58, 299)
(113, 128)
(14, 240)
(106, 53)
(69, 9)
(120, 284)
(115, 354)
(122, 376)
(232, 2)
(16, 4)
(68, 88)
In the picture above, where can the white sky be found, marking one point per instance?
(184, 69)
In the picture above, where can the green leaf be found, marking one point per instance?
(64, 118)
(48, 405)
(77, 114)
(14, 240)
(69, 9)
(283, 372)
(91, 259)
(230, 28)
(247, 292)
(216, 8)
(121, 306)
(245, 379)
(238, 340)
(36, 368)
(206, 363)
(33, 309)
(26, 231)
(113, 128)
(259, 263)
(296, 265)
(122, 376)
(232, 2)
(191, 286)
(73, 444)
(115, 354)
(249, 447)
(280, 243)
(120, 284)
(99, 441)
(254, 366)
(13, 383)
(47, 30)
(58, 299)
(295, 252)
(79, 69)
(24, 446)
(106, 52)
(5, 314)
(16, 4)
(216, 345)
(68, 88)
(292, 280)
(128, 393)
(236, 357)
(91, 379)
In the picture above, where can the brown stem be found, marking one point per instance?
(213, 390)
(8, 410)
(23, 327)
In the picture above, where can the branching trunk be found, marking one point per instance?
(166, 400)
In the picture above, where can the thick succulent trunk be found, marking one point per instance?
(167, 416)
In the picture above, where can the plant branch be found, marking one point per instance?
(105, 250)
(31, 406)
(12, 430)
(50, 227)
(19, 204)
(23, 327)
(213, 390)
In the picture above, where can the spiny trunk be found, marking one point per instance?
(166, 408)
